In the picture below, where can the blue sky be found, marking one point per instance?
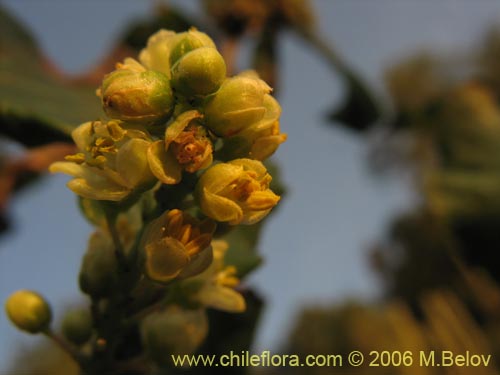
(315, 246)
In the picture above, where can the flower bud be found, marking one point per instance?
(176, 245)
(236, 192)
(199, 72)
(99, 269)
(260, 140)
(77, 326)
(238, 104)
(156, 54)
(185, 42)
(28, 311)
(132, 93)
(173, 331)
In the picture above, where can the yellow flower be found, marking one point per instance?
(259, 140)
(240, 103)
(218, 282)
(186, 147)
(236, 192)
(111, 164)
(176, 245)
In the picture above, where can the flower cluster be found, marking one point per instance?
(180, 151)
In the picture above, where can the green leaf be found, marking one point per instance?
(36, 106)
(242, 253)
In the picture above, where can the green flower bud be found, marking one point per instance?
(173, 331)
(238, 104)
(199, 72)
(156, 54)
(28, 311)
(132, 93)
(99, 269)
(77, 326)
(183, 43)
(236, 192)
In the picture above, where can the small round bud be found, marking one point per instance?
(28, 311)
(238, 104)
(143, 97)
(77, 326)
(199, 72)
(99, 269)
(187, 42)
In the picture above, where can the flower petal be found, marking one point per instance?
(222, 298)
(105, 190)
(179, 124)
(199, 263)
(220, 208)
(132, 163)
(163, 165)
(165, 259)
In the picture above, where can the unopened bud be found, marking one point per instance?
(28, 311)
(199, 72)
(132, 95)
(77, 326)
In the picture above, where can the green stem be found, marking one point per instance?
(66, 347)
(119, 251)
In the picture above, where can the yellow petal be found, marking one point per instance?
(220, 208)
(222, 298)
(67, 167)
(261, 200)
(163, 165)
(82, 135)
(199, 263)
(266, 146)
(165, 259)
(104, 191)
(132, 163)
(179, 124)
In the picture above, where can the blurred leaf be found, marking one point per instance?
(242, 248)
(37, 106)
(359, 110)
(166, 17)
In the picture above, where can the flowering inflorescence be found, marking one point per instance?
(174, 123)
